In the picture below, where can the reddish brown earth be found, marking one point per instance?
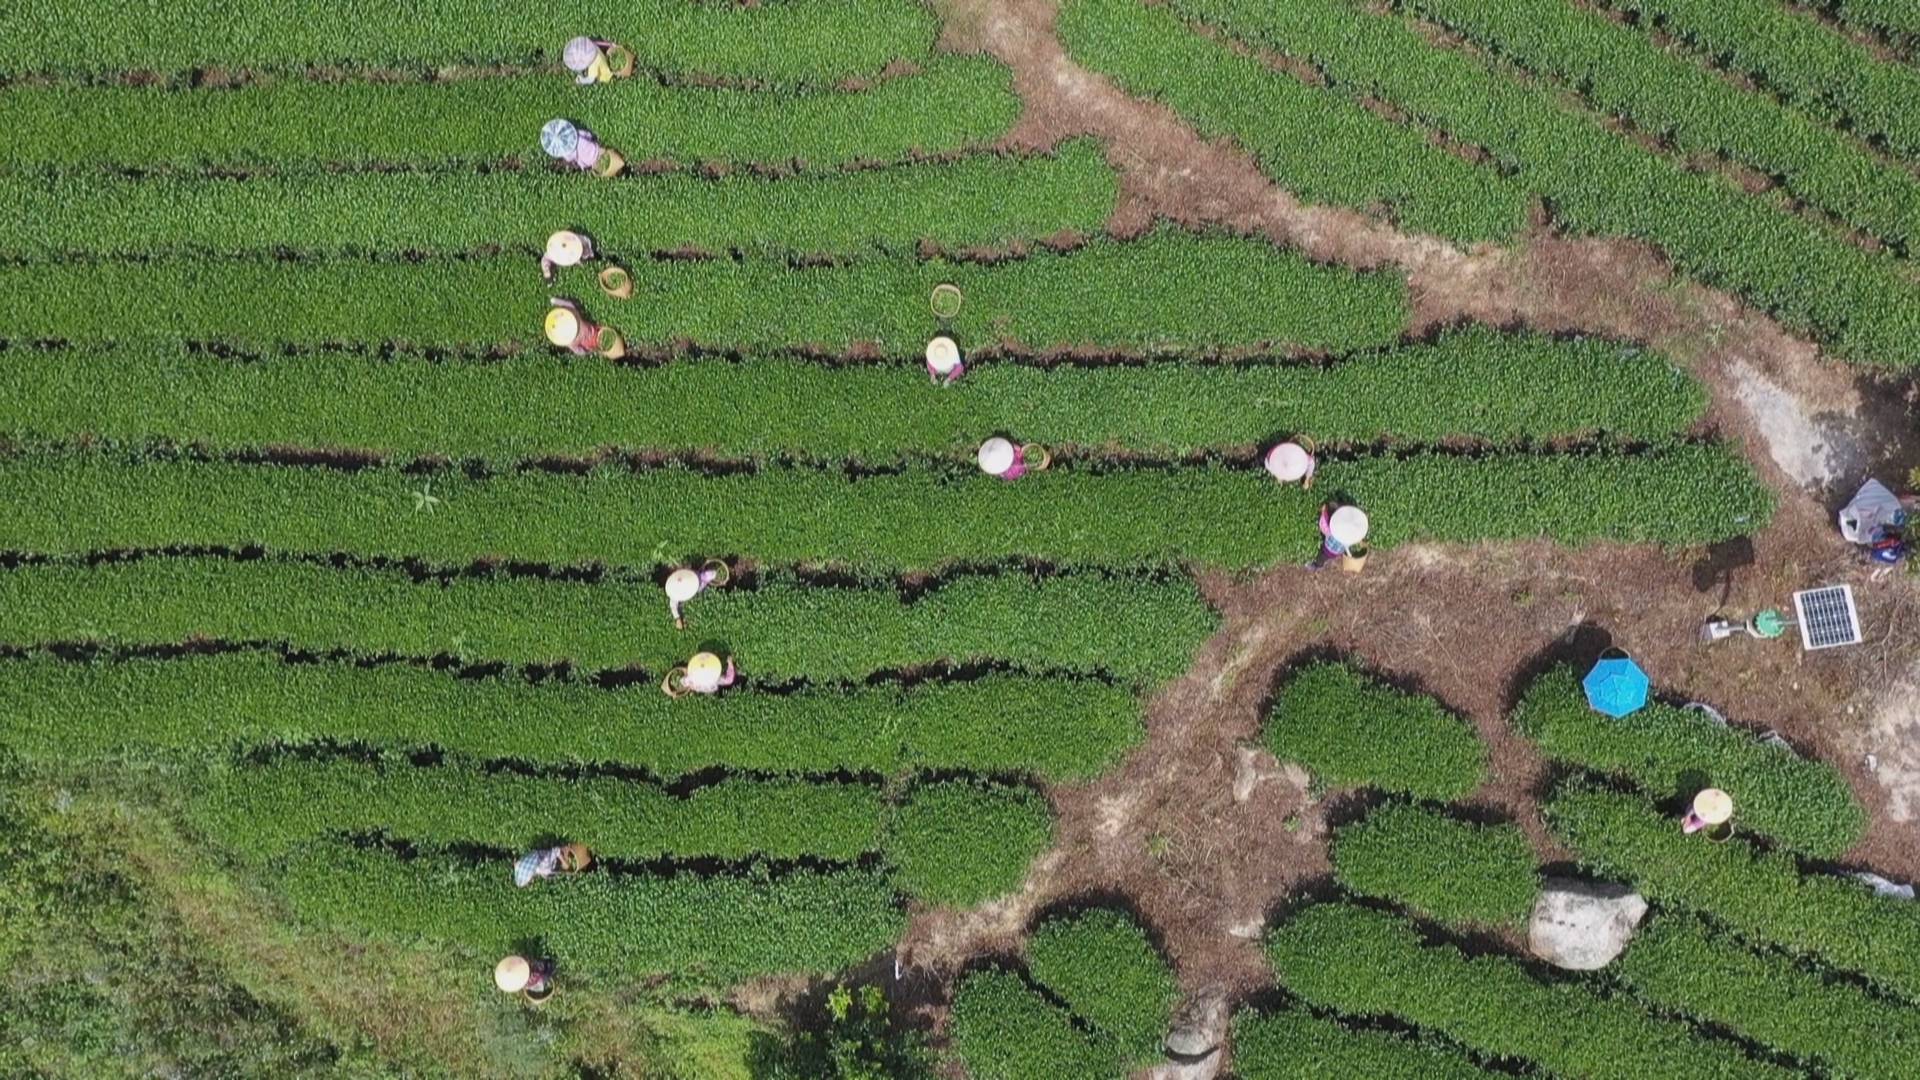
(1164, 833)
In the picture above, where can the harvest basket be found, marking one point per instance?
(946, 301)
(616, 282)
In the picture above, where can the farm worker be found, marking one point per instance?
(943, 361)
(564, 249)
(1290, 463)
(683, 585)
(1000, 458)
(567, 328)
(1340, 529)
(587, 58)
(705, 674)
(519, 975)
(1711, 807)
(564, 141)
(546, 862)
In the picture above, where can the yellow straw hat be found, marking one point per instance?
(1713, 806)
(682, 585)
(563, 326)
(566, 248)
(704, 667)
(512, 974)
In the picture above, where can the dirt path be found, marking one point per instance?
(1166, 833)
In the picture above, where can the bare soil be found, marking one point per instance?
(1164, 834)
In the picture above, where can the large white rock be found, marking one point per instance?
(1193, 1046)
(1583, 925)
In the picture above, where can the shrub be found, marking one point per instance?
(1672, 753)
(1005, 1030)
(1351, 730)
(1049, 728)
(1100, 963)
(1439, 866)
(1763, 896)
(1361, 961)
(959, 842)
(1681, 966)
(1295, 1045)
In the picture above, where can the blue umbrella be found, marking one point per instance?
(1616, 686)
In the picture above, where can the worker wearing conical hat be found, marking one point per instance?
(706, 674)
(564, 249)
(1000, 457)
(587, 58)
(683, 585)
(944, 363)
(1341, 528)
(546, 862)
(569, 329)
(1711, 807)
(1291, 463)
(519, 975)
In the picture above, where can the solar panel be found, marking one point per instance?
(1827, 617)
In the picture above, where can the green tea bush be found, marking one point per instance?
(1619, 68)
(956, 204)
(1049, 625)
(1681, 966)
(1320, 146)
(1763, 896)
(1597, 180)
(1826, 74)
(1425, 392)
(263, 810)
(962, 842)
(700, 929)
(1053, 728)
(1361, 961)
(291, 125)
(1211, 292)
(820, 41)
(1353, 731)
(1295, 1045)
(1439, 866)
(1005, 1030)
(1100, 963)
(1896, 18)
(920, 517)
(1671, 752)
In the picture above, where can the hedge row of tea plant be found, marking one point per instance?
(1473, 384)
(1673, 752)
(299, 126)
(1006, 1030)
(887, 210)
(1319, 146)
(1596, 180)
(1046, 625)
(1824, 73)
(263, 810)
(1679, 964)
(1351, 730)
(1764, 896)
(707, 929)
(1619, 68)
(1107, 1001)
(962, 842)
(1296, 1045)
(1056, 729)
(1361, 961)
(819, 41)
(1895, 18)
(1100, 964)
(919, 517)
(1207, 292)
(1439, 866)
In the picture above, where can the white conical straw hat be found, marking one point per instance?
(580, 53)
(512, 974)
(566, 248)
(1713, 806)
(559, 138)
(682, 585)
(996, 456)
(1348, 525)
(563, 326)
(943, 355)
(704, 665)
(1288, 462)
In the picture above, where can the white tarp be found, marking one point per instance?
(1872, 506)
